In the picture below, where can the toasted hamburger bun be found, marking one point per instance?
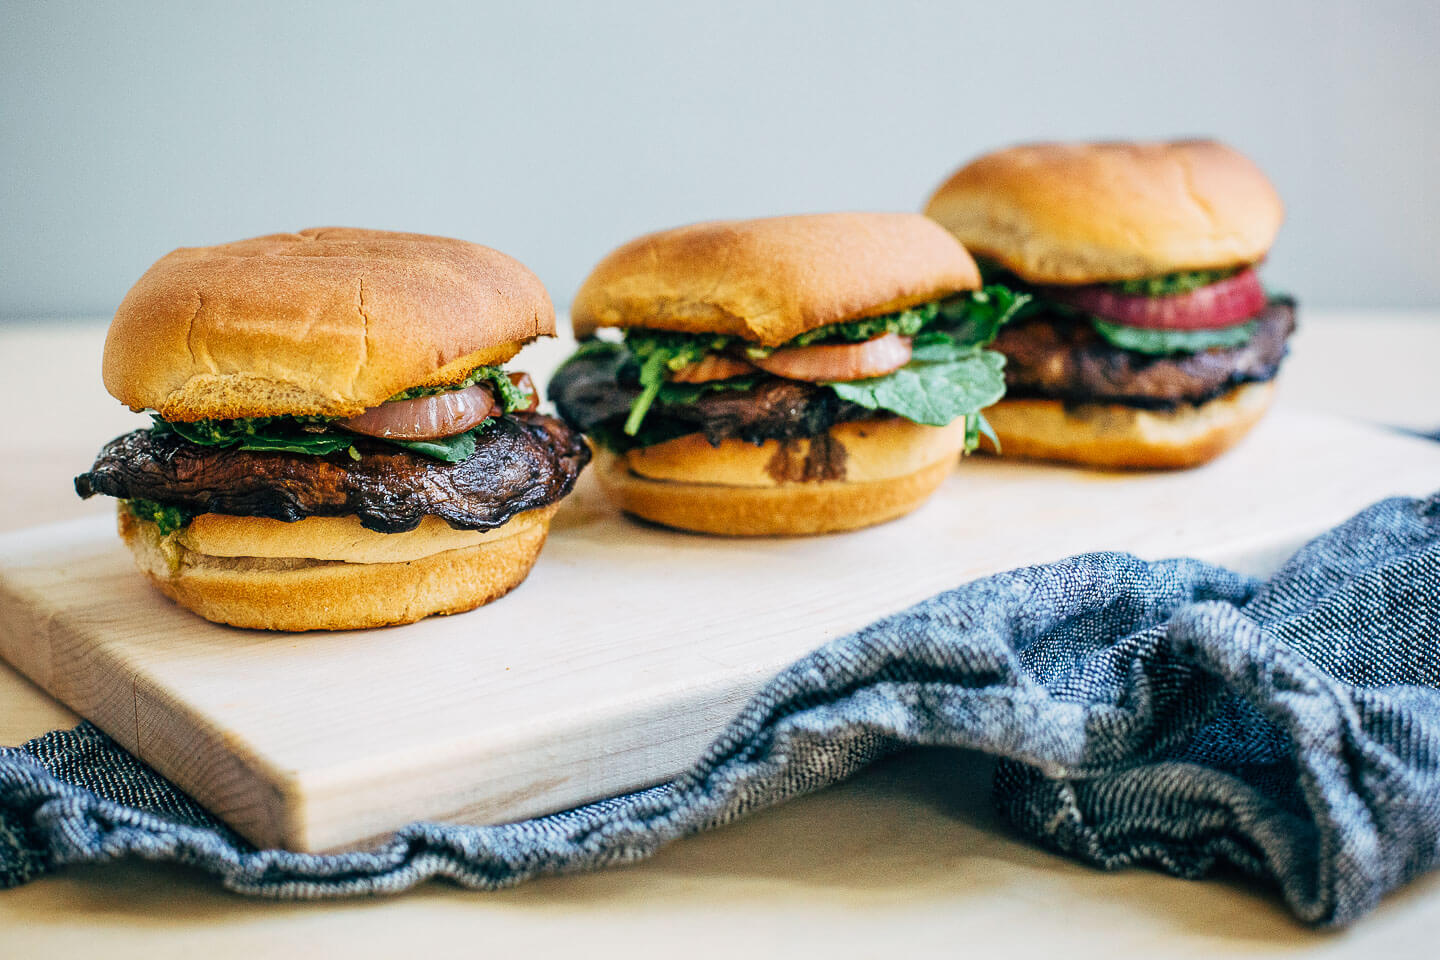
(858, 474)
(1116, 436)
(1076, 213)
(326, 322)
(771, 280)
(325, 573)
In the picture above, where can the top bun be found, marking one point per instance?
(771, 280)
(1098, 212)
(325, 322)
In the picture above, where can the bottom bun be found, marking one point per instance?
(865, 473)
(299, 593)
(1112, 435)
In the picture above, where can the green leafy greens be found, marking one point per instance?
(168, 519)
(659, 353)
(456, 449)
(313, 435)
(976, 320)
(943, 380)
(1135, 339)
(949, 375)
(307, 435)
(1164, 342)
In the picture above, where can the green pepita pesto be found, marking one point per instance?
(1170, 284)
(168, 519)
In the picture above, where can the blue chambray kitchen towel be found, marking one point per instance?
(1172, 714)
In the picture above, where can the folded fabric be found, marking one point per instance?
(1172, 714)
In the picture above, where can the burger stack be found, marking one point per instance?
(1149, 340)
(337, 441)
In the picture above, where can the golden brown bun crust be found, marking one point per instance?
(1070, 213)
(859, 475)
(1114, 436)
(767, 511)
(324, 322)
(304, 594)
(771, 280)
(859, 451)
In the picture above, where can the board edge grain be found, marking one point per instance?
(220, 770)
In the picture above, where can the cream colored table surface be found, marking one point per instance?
(907, 856)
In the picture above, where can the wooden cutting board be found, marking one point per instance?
(627, 649)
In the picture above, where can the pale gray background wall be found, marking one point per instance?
(555, 131)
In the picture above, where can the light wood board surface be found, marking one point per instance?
(626, 651)
(908, 846)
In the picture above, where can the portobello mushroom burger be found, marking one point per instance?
(790, 375)
(1150, 341)
(336, 442)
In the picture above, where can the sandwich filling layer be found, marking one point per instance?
(926, 365)
(1056, 356)
(1158, 343)
(519, 462)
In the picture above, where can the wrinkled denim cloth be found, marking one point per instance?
(1172, 714)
